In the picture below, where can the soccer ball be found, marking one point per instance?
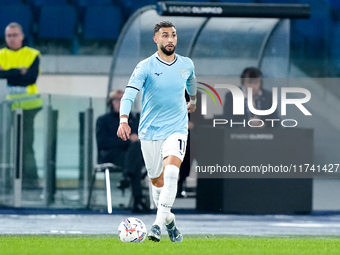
(132, 230)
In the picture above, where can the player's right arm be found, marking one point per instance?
(135, 84)
(124, 130)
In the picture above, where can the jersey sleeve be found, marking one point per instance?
(127, 101)
(191, 82)
(135, 84)
(138, 76)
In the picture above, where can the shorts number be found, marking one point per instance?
(182, 145)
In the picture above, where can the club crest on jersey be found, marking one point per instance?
(185, 73)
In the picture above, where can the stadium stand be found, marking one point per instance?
(197, 1)
(240, 1)
(335, 34)
(20, 13)
(86, 3)
(10, 2)
(40, 3)
(130, 6)
(107, 27)
(82, 5)
(314, 38)
(58, 22)
(335, 50)
(276, 2)
(311, 38)
(334, 4)
(36, 6)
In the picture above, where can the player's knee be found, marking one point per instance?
(171, 171)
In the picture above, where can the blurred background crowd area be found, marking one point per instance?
(92, 27)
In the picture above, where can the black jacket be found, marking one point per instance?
(263, 102)
(108, 143)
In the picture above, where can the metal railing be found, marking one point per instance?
(60, 142)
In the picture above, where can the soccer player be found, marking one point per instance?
(163, 128)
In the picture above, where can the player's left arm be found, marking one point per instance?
(192, 104)
(192, 91)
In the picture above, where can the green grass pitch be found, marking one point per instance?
(195, 244)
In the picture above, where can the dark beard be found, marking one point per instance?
(167, 52)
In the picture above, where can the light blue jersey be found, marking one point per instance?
(163, 85)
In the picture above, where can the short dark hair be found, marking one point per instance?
(15, 24)
(161, 24)
(251, 72)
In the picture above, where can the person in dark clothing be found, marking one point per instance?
(126, 154)
(262, 99)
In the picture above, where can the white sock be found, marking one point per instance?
(168, 194)
(170, 217)
(156, 191)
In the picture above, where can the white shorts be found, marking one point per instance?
(155, 151)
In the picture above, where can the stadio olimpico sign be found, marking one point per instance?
(287, 11)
